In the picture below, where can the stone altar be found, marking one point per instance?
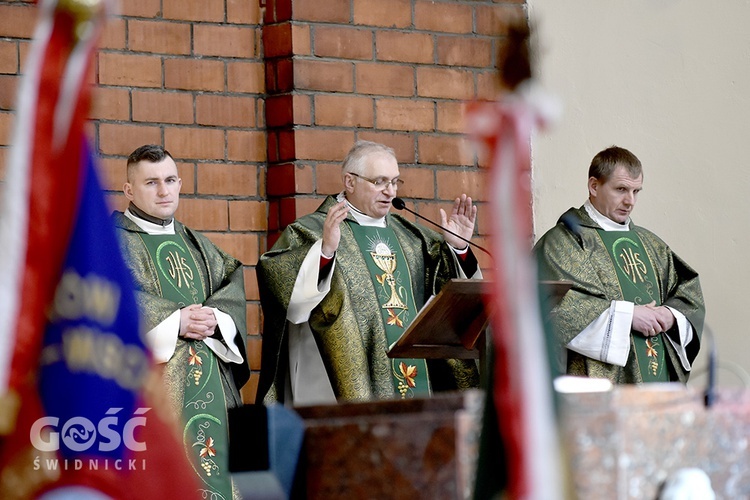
(624, 443)
(412, 449)
(619, 444)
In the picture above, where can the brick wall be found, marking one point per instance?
(392, 71)
(259, 100)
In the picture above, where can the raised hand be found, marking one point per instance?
(461, 221)
(332, 228)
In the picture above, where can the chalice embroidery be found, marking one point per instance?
(385, 259)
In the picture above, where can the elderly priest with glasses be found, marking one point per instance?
(343, 283)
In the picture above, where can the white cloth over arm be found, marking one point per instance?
(162, 339)
(308, 292)
(607, 338)
(308, 378)
(685, 330)
(461, 273)
(228, 350)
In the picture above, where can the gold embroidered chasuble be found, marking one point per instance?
(222, 280)
(573, 251)
(348, 324)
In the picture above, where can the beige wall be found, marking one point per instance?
(669, 80)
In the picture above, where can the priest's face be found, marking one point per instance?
(615, 197)
(373, 189)
(154, 187)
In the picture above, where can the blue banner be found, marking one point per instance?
(94, 361)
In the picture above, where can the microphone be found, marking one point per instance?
(710, 396)
(399, 204)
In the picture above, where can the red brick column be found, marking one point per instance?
(392, 71)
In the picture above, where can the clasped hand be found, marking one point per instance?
(650, 319)
(197, 322)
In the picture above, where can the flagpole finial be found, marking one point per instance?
(84, 12)
(10, 403)
(514, 58)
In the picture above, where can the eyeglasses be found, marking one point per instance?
(381, 182)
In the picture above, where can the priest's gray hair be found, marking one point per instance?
(355, 161)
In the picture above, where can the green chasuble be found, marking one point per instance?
(204, 413)
(573, 251)
(160, 291)
(349, 325)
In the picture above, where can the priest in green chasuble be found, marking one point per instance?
(635, 311)
(343, 283)
(191, 296)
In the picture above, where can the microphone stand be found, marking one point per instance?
(399, 204)
(710, 396)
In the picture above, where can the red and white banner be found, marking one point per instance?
(522, 385)
(79, 399)
(40, 193)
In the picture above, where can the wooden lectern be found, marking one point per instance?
(449, 325)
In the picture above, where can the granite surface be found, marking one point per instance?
(623, 444)
(391, 449)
